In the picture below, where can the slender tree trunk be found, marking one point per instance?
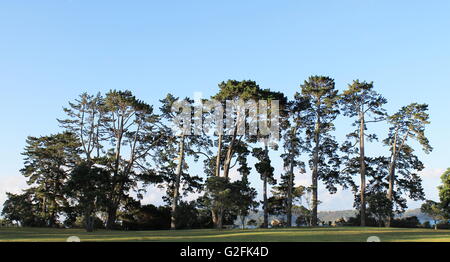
(214, 213)
(219, 150)
(315, 175)
(176, 193)
(289, 193)
(390, 194)
(265, 206)
(362, 169)
(266, 203)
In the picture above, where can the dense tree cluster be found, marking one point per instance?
(440, 211)
(113, 146)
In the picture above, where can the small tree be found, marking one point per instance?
(86, 189)
(265, 169)
(20, 208)
(379, 206)
(434, 210)
(244, 199)
(444, 193)
(218, 197)
(48, 161)
(303, 215)
(293, 145)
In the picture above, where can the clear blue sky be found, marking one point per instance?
(51, 51)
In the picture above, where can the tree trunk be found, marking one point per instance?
(289, 193)
(176, 193)
(315, 175)
(220, 219)
(219, 149)
(243, 222)
(89, 221)
(214, 217)
(111, 220)
(362, 170)
(214, 213)
(229, 156)
(390, 194)
(266, 210)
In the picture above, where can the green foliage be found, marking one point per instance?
(407, 222)
(323, 99)
(218, 193)
(361, 102)
(245, 90)
(21, 209)
(48, 161)
(408, 123)
(105, 125)
(379, 207)
(188, 215)
(318, 120)
(244, 198)
(264, 166)
(303, 214)
(147, 217)
(278, 203)
(444, 193)
(433, 210)
(361, 99)
(86, 189)
(293, 145)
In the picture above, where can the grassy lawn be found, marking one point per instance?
(340, 234)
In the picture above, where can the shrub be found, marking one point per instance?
(407, 222)
(426, 224)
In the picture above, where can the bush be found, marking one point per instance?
(148, 217)
(98, 223)
(407, 222)
(426, 224)
(356, 221)
(443, 225)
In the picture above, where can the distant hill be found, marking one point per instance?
(416, 212)
(335, 215)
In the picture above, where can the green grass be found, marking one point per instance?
(339, 234)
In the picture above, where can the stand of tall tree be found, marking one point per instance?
(112, 147)
(361, 102)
